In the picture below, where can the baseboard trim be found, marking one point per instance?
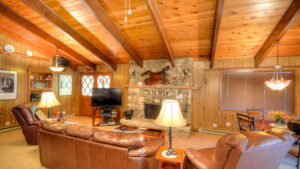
(10, 129)
(216, 132)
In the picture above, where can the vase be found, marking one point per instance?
(280, 121)
(128, 114)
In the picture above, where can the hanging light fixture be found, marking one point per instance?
(277, 82)
(56, 67)
(129, 10)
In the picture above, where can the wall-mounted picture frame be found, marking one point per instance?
(65, 85)
(8, 85)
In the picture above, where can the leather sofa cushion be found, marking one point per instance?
(54, 126)
(119, 139)
(26, 114)
(200, 158)
(80, 131)
(260, 139)
(149, 149)
(282, 134)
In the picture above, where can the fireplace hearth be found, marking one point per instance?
(151, 110)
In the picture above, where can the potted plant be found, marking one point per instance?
(279, 117)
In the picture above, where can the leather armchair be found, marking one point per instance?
(29, 125)
(249, 150)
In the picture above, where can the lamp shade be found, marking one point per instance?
(48, 100)
(170, 114)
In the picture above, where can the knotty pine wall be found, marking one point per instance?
(120, 79)
(21, 64)
(206, 100)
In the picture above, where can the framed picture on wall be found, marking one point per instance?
(8, 85)
(65, 85)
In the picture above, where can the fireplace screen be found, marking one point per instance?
(152, 110)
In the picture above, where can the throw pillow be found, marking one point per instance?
(33, 109)
(40, 115)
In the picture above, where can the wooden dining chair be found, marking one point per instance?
(245, 122)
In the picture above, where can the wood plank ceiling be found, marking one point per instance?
(157, 29)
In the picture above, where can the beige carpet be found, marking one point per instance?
(16, 154)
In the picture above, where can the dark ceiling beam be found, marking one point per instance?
(217, 24)
(154, 11)
(99, 12)
(21, 21)
(41, 8)
(288, 19)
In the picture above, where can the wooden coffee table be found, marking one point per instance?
(169, 163)
(148, 132)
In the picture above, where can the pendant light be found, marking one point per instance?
(56, 67)
(129, 10)
(277, 82)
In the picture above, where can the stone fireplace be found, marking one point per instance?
(146, 101)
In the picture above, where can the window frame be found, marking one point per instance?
(296, 94)
(95, 75)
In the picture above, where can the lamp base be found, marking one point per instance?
(170, 153)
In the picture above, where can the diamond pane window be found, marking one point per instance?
(87, 83)
(103, 81)
(65, 85)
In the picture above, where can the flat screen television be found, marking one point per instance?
(107, 97)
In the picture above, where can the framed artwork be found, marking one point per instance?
(8, 85)
(65, 85)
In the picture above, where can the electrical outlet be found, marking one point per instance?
(7, 123)
(228, 124)
(215, 125)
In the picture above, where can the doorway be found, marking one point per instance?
(88, 81)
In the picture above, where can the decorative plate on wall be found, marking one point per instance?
(9, 48)
(28, 53)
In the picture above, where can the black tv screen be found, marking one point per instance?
(107, 97)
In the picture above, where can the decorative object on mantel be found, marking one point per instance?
(128, 114)
(9, 48)
(275, 83)
(56, 67)
(175, 81)
(8, 84)
(157, 77)
(170, 116)
(280, 117)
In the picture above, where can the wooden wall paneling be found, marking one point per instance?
(206, 99)
(21, 64)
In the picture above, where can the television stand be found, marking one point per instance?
(110, 115)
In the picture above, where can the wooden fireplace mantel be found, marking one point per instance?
(165, 87)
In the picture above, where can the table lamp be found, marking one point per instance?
(170, 116)
(48, 100)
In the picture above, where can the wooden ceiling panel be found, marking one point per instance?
(139, 30)
(246, 25)
(189, 26)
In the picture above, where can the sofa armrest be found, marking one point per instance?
(37, 123)
(150, 148)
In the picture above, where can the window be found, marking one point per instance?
(65, 85)
(103, 81)
(87, 83)
(242, 90)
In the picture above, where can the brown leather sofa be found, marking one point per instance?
(29, 125)
(250, 150)
(76, 147)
